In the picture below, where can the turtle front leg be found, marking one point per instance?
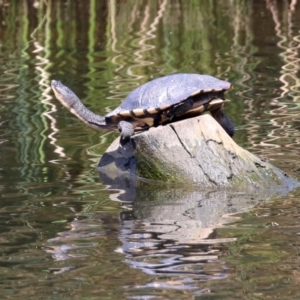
(127, 131)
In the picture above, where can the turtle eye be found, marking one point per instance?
(55, 82)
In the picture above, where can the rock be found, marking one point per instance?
(195, 150)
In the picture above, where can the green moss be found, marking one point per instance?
(265, 176)
(150, 168)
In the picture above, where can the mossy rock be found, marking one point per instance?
(194, 151)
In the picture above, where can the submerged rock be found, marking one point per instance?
(196, 151)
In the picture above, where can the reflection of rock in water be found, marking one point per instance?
(170, 230)
(173, 233)
(123, 187)
(185, 264)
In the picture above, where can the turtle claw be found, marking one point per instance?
(127, 131)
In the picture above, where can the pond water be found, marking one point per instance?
(66, 232)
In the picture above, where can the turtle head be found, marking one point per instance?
(65, 95)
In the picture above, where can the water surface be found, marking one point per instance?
(64, 231)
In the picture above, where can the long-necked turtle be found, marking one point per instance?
(160, 101)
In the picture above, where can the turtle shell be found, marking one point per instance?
(168, 98)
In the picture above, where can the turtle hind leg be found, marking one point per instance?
(220, 116)
(227, 124)
(127, 131)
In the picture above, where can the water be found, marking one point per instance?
(65, 234)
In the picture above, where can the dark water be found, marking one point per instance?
(64, 232)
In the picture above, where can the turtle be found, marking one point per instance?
(158, 102)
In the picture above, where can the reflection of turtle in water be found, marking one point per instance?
(160, 101)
